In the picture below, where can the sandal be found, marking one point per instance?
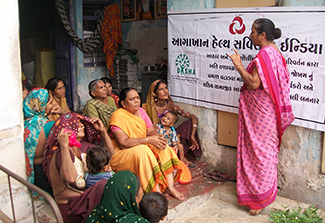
(210, 174)
(219, 179)
(227, 177)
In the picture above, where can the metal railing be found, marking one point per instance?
(32, 188)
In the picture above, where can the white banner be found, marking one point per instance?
(200, 73)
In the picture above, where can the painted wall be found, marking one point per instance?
(12, 155)
(149, 37)
(299, 166)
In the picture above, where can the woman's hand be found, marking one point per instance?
(194, 144)
(182, 112)
(56, 109)
(157, 141)
(252, 80)
(235, 58)
(98, 124)
(63, 138)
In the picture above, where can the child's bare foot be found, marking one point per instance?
(188, 163)
(175, 193)
(254, 212)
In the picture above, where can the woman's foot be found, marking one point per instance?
(175, 193)
(254, 212)
(188, 163)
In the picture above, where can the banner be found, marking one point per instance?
(200, 73)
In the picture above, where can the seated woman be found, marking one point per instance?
(64, 164)
(56, 87)
(100, 106)
(120, 200)
(158, 103)
(37, 107)
(140, 149)
(109, 86)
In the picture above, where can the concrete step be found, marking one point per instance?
(45, 214)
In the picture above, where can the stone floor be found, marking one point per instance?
(209, 201)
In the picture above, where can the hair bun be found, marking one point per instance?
(277, 33)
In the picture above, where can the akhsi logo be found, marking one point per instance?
(182, 63)
(233, 28)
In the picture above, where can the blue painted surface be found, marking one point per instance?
(304, 2)
(190, 4)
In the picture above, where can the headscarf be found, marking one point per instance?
(118, 203)
(67, 121)
(34, 120)
(151, 105)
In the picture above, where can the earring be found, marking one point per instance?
(155, 99)
(154, 95)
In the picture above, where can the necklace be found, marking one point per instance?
(161, 106)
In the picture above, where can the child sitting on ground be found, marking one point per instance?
(166, 128)
(98, 165)
(154, 207)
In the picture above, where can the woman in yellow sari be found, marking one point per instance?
(140, 149)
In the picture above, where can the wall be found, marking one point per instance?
(12, 154)
(149, 37)
(299, 166)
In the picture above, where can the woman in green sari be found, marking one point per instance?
(100, 106)
(120, 199)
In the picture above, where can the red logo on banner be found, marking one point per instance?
(242, 27)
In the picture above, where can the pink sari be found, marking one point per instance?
(263, 116)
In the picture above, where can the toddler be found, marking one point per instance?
(166, 128)
(98, 165)
(154, 207)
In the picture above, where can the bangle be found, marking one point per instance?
(194, 125)
(238, 66)
(146, 140)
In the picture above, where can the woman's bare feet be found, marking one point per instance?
(254, 212)
(175, 193)
(186, 161)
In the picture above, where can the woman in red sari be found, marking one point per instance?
(264, 114)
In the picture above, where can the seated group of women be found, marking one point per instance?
(133, 140)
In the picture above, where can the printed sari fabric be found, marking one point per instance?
(152, 165)
(118, 203)
(264, 114)
(184, 130)
(63, 104)
(34, 120)
(95, 108)
(116, 99)
(111, 33)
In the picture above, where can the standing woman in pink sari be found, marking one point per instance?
(264, 114)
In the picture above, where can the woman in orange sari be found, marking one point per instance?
(140, 149)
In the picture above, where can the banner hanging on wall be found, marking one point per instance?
(201, 74)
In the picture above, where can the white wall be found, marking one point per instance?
(11, 119)
(12, 154)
